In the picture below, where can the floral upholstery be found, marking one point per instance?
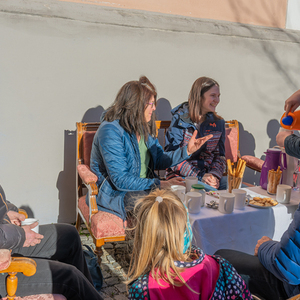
(5, 259)
(86, 174)
(103, 224)
(253, 162)
(87, 137)
(231, 143)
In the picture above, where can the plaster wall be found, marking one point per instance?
(62, 64)
(256, 12)
(293, 15)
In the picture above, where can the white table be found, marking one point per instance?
(241, 229)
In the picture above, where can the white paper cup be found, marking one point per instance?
(189, 181)
(30, 221)
(180, 191)
(226, 203)
(240, 199)
(193, 202)
(283, 193)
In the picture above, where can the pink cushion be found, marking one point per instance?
(253, 162)
(41, 297)
(87, 140)
(86, 174)
(4, 259)
(103, 224)
(231, 143)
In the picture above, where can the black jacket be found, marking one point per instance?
(11, 236)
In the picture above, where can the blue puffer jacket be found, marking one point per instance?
(115, 159)
(210, 158)
(283, 258)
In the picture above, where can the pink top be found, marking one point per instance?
(201, 278)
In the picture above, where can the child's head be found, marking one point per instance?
(203, 98)
(159, 235)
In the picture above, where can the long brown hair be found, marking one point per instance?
(129, 107)
(199, 87)
(159, 237)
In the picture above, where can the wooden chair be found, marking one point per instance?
(232, 140)
(27, 266)
(103, 226)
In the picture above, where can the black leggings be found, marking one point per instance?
(259, 280)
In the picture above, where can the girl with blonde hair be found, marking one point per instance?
(164, 265)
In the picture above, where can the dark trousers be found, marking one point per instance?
(61, 266)
(259, 280)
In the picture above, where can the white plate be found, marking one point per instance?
(257, 206)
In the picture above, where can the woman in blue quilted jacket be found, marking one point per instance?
(125, 150)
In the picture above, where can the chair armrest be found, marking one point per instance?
(24, 265)
(253, 162)
(86, 174)
(89, 179)
(15, 265)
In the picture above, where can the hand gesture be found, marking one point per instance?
(15, 217)
(195, 144)
(260, 242)
(292, 103)
(174, 181)
(31, 238)
(211, 180)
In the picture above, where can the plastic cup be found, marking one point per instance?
(30, 221)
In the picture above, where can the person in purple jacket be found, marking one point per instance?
(274, 270)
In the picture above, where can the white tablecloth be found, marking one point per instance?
(241, 229)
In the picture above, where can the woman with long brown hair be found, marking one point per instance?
(198, 115)
(125, 151)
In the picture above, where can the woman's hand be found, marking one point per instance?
(164, 184)
(211, 180)
(195, 144)
(292, 103)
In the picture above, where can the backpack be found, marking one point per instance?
(93, 266)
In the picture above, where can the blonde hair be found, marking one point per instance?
(159, 238)
(199, 87)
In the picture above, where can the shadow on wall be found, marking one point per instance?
(66, 181)
(163, 113)
(247, 147)
(272, 130)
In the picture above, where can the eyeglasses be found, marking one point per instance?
(152, 104)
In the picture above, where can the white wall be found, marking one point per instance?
(61, 62)
(293, 15)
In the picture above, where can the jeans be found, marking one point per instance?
(61, 266)
(259, 280)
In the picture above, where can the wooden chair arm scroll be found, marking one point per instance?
(24, 265)
(89, 179)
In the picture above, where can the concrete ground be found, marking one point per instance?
(115, 262)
